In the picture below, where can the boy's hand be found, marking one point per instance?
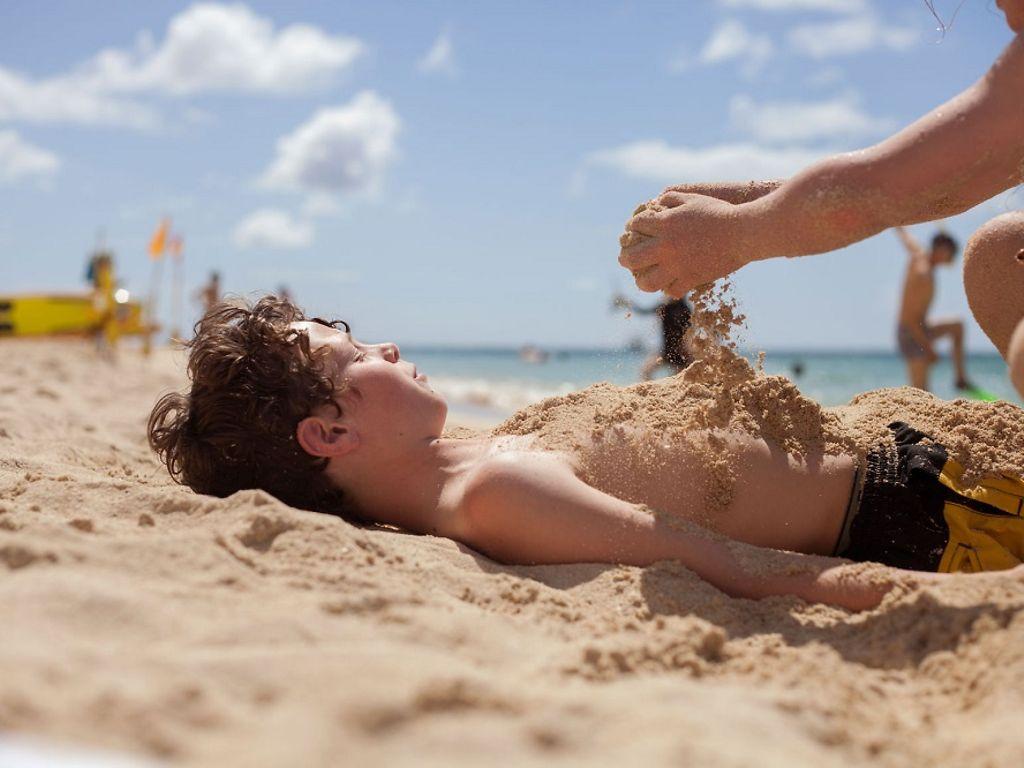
(847, 588)
(680, 241)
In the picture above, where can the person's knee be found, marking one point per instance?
(994, 277)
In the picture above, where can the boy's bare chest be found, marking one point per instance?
(918, 292)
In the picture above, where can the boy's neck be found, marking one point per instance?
(407, 488)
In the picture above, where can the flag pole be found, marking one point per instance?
(154, 294)
(157, 246)
(176, 247)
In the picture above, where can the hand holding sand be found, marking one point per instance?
(682, 240)
(931, 169)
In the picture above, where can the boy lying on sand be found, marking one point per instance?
(306, 412)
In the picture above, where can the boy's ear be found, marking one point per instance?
(325, 437)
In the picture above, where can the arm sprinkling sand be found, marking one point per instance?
(953, 158)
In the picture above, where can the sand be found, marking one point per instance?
(142, 618)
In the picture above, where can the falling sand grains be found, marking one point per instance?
(721, 392)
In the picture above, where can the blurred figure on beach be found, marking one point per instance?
(533, 355)
(675, 316)
(100, 272)
(209, 294)
(915, 333)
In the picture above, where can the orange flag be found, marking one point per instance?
(158, 243)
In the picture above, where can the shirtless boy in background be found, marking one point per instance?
(915, 335)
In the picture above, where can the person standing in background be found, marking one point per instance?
(915, 334)
(209, 294)
(100, 272)
(675, 316)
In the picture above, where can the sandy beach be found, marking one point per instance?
(141, 618)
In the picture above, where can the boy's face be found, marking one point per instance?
(1014, 10)
(385, 397)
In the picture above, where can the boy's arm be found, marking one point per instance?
(532, 511)
(960, 154)
(624, 303)
(914, 249)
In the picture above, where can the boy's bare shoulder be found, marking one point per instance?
(510, 468)
(497, 483)
(509, 475)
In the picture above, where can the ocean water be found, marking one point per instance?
(491, 384)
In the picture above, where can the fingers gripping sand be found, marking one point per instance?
(138, 616)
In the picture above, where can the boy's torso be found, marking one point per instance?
(918, 291)
(737, 485)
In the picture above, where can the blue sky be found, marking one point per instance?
(458, 173)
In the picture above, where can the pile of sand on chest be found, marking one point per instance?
(722, 391)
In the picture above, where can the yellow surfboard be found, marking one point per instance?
(62, 314)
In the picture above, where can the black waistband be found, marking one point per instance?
(895, 515)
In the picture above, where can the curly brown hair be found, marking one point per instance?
(254, 378)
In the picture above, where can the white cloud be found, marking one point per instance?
(273, 229)
(20, 160)
(440, 59)
(658, 161)
(732, 41)
(802, 121)
(850, 36)
(213, 47)
(834, 6)
(340, 149)
(66, 100)
(207, 47)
